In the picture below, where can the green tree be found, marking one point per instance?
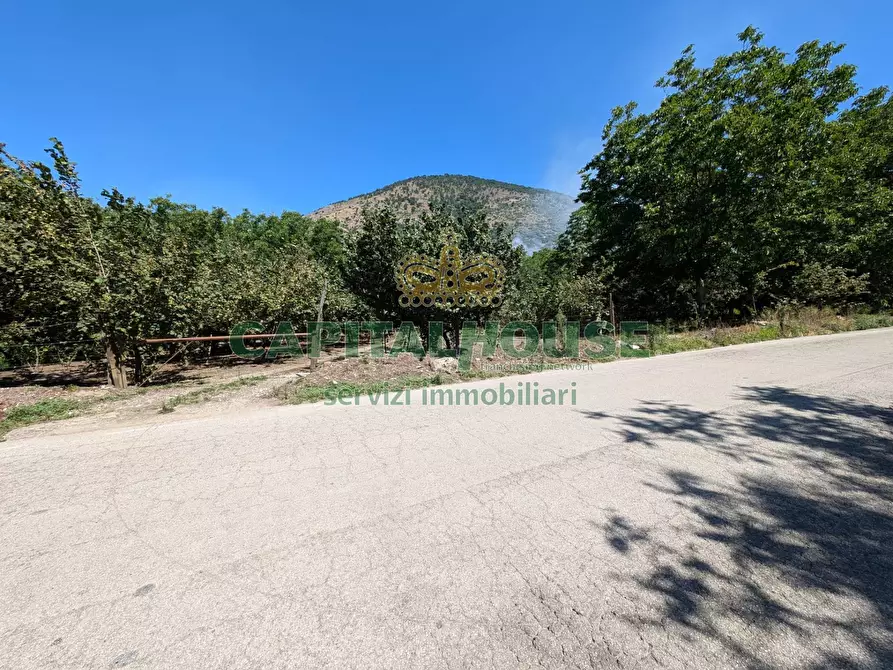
(124, 272)
(384, 241)
(731, 176)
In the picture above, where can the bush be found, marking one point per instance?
(867, 321)
(661, 341)
(742, 336)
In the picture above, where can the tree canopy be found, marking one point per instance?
(752, 172)
(763, 179)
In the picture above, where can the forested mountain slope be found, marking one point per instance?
(537, 215)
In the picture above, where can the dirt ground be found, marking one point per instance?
(228, 384)
(216, 388)
(84, 385)
(238, 385)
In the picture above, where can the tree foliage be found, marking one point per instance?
(752, 171)
(73, 271)
(384, 241)
(762, 179)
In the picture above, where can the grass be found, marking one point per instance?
(50, 409)
(54, 409)
(806, 321)
(725, 338)
(205, 393)
(867, 321)
(296, 393)
(662, 343)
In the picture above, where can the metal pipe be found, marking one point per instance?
(217, 338)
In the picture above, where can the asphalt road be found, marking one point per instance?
(730, 508)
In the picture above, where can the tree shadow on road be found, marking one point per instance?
(804, 549)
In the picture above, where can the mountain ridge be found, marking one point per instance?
(536, 215)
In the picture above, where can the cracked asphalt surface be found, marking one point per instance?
(730, 508)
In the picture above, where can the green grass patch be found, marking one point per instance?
(730, 337)
(661, 341)
(296, 393)
(799, 323)
(50, 409)
(867, 321)
(678, 344)
(205, 393)
(520, 368)
(627, 350)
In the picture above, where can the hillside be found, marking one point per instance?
(536, 215)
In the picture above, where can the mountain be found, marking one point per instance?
(536, 215)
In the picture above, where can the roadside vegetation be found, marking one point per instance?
(296, 393)
(44, 410)
(776, 325)
(388, 375)
(53, 409)
(205, 393)
(754, 202)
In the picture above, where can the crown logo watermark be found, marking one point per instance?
(453, 281)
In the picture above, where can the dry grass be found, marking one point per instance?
(774, 325)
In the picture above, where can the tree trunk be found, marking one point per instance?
(702, 299)
(137, 365)
(115, 356)
(322, 302)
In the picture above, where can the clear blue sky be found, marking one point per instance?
(292, 105)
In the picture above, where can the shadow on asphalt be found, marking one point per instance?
(827, 535)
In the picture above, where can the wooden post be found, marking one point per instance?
(615, 334)
(137, 365)
(322, 302)
(113, 354)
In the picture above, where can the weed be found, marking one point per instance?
(727, 337)
(660, 341)
(866, 321)
(296, 393)
(49, 409)
(797, 323)
(207, 392)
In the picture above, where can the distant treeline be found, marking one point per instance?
(763, 180)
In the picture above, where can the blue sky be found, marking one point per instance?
(292, 105)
